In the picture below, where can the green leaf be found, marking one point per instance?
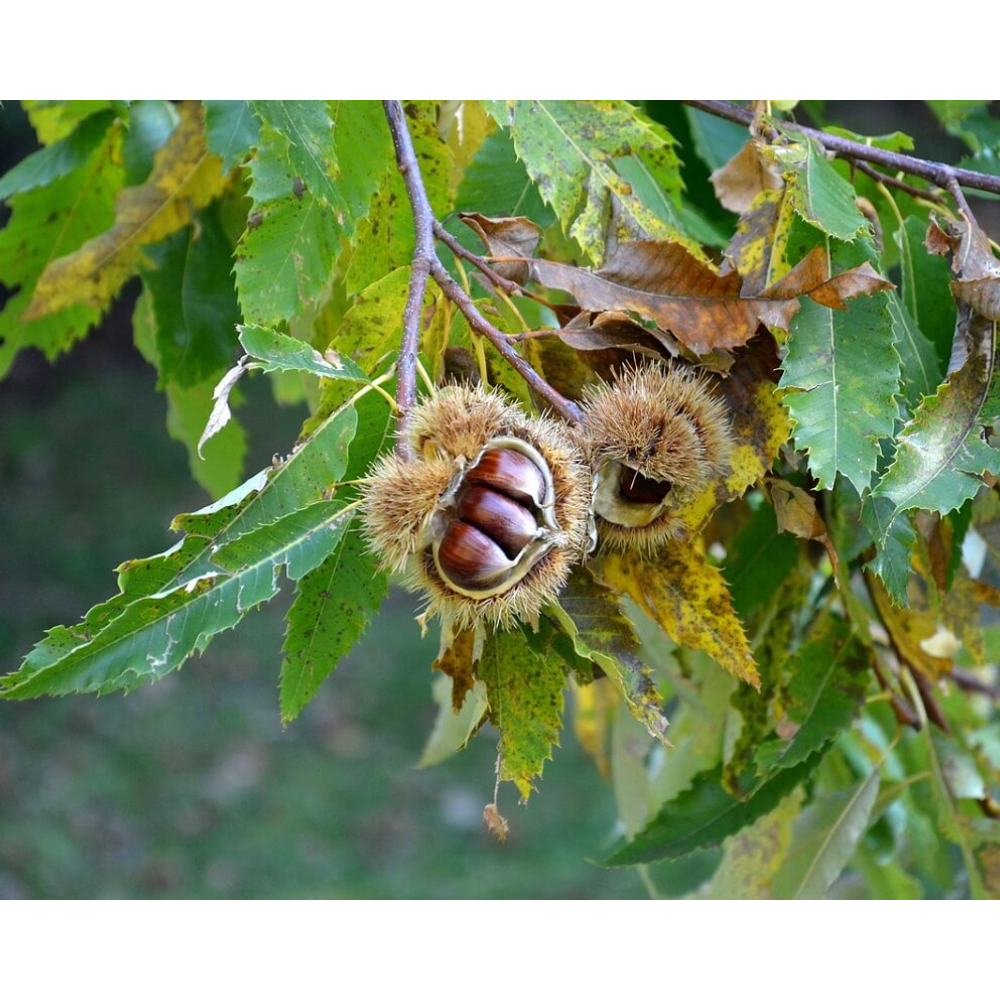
(150, 125)
(825, 838)
(336, 602)
(844, 366)
(705, 814)
(894, 539)
(822, 197)
(591, 615)
(45, 224)
(307, 133)
(941, 455)
(194, 301)
(187, 413)
(758, 562)
(829, 677)
(285, 258)
(386, 234)
(969, 121)
(716, 141)
(274, 352)
(896, 142)
(59, 159)
(496, 184)
(231, 130)
(924, 288)
(950, 821)
(569, 149)
(525, 694)
(54, 120)
(136, 639)
(919, 364)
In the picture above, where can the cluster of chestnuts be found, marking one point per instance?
(496, 507)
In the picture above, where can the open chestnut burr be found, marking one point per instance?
(655, 437)
(490, 516)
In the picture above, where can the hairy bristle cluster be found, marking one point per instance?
(667, 426)
(449, 433)
(665, 422)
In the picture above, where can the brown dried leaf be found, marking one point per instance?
(495, 823)
(703, 308)
(738, 182)
(516, 236)
(796, 512)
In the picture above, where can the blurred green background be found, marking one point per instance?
(190, 787)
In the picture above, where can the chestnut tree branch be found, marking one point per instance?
(941, 174)
(423, 255)
(426, 262)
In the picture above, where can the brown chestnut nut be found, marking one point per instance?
(490, 517)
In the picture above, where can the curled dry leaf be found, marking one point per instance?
(495, 823)
(796, 512)
(516, 237)
(738, 182)
(702, 307)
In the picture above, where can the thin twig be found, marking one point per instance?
(425, 260)
(889, 181)
(940, 174)
(510, 287)
(931, 706)
(569, 411)
(954, 188)
(423, 256)
(970, 682)
(505, 285)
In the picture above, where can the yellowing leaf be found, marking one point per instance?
(525, 691)
(593, 711)
(690, 601)
(185, 177)
(457, 663)
(759, 425)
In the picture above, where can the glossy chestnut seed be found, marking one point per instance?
(469, 558)
(509, 524)
(511, 473)
(637, 488)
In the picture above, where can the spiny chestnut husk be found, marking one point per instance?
(654, 436)
(490, 516)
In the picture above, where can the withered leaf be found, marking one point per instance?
(738, 182)
(516, 236)
(701, 307)
(796, 512)
(495, 822)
